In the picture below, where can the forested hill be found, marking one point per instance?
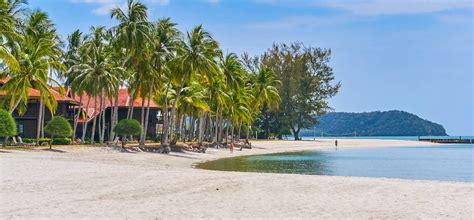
(388, 123)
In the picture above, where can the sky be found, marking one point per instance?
(411, 55)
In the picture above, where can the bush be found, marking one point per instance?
(41, 141)
(61, 141)
(7, 125)
(28, 140)
(128, 127)
(59, 127)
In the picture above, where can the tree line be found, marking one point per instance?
(205, 93)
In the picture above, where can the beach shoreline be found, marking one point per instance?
(99, 182)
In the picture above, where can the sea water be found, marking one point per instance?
(442, 162)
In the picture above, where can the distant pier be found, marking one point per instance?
(459, 140)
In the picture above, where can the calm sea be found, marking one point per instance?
(443, 162)
(383, 137)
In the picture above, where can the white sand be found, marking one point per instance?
(103, 183)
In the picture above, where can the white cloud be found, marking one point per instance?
(392, 7)
(379, 7)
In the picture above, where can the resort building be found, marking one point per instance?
(69, 103)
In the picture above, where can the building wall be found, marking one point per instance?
(27, 123)
(122, 114)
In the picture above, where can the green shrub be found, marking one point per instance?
(128, 127)
(7, 125)
(28, 140)
(43, 140)
(61, 141)
(58, 127)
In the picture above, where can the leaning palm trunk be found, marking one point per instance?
(84, 126)
(76, 119)
(173, 110)
(40, 118)
(130, 105)
(94, 122)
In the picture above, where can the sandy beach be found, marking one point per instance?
(100, 182)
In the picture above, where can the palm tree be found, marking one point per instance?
(134, 33)
(38, 53)
(73, 57)
(165, 42)
(264, 85)
(96, 75)
(196, 56)
(10, 12)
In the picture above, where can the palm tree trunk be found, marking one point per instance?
(114, 116)
(221, 128)
(173, 109)
(130, 105)
(216, 134)
(248, 132)
(164, 135)
(142, 141)
(43, 113)
(84, 126)
(94, 122)
(191, 127)
(76, 118)
(38, 125)
(226, 134)
(202, 121)
(240, 128)
(100, 117)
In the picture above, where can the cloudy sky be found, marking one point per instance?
(412, 55)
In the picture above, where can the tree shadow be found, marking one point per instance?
(55, 150)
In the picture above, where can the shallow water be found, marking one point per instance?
(443, 162)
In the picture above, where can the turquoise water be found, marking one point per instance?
(443, 163)
(382, 137)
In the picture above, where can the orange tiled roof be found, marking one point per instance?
(35, 94)
(123, 102)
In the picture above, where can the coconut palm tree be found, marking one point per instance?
(134, 33)
(264, 85)
(38, 54)
(163, 47)
(10, 12)
(196, 56)
(96, 75)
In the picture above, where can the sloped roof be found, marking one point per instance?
(123, 102)
(35, 94)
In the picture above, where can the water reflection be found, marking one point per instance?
(308, 162)
(440, 162)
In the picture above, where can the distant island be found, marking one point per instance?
(378, 123)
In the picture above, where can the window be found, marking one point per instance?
(20, 128)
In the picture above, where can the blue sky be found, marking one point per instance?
(412, 55)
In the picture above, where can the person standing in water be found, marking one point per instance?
(335, 143)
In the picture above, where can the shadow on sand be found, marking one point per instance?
(55, 150)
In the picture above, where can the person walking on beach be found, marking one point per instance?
(335, 143)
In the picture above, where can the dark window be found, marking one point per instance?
(20, 128)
